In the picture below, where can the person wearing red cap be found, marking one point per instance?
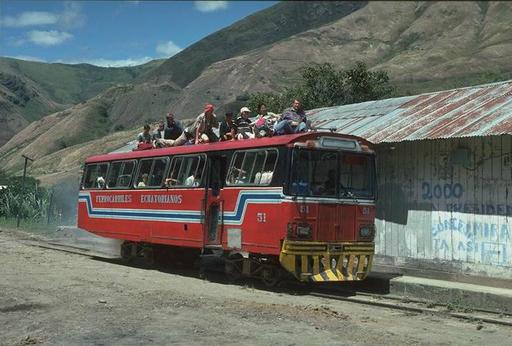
(203, 127)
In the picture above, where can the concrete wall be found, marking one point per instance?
(447, 203)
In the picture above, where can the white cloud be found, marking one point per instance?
(26, 57)
(210, 6)
(29, 19)
(109, 62)
(70, 17)
(48, 38)
(97, 62)
(168, 48)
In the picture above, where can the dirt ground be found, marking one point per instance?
(56, 298)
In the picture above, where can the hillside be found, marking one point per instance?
(424, 46)
(30, 90)
(114, 110)
(265, 27)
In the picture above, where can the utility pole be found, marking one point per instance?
(22, 186)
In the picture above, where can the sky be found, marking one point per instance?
(112, 33)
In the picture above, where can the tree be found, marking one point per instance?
(323, 86)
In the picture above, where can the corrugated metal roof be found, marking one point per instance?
(466, 112)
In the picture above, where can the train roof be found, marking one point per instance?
(284, 140)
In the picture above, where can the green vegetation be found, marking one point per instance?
(323, 86)
(31, 202)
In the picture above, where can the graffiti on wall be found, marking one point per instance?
(468, 231)
(441, 192)
(474, 241)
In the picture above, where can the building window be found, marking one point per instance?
(253, 167)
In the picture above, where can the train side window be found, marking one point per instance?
(186, 171)
(120, 174)
(151, 172)
(94, 176)
(113, 173)
(254, 167)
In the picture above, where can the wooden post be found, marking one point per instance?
(22, 186)
(48, 212)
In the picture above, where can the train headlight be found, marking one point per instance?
(304, 231)
(301, 230)
(367, 232)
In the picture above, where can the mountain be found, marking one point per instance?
(424, 46)
(30, 90)
(118, 108)
(263, 28)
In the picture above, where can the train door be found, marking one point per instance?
(213, 209)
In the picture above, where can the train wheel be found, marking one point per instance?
(148, 254)
(127, 252)
(270, 276)
(233, 268)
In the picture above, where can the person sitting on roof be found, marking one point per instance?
(186, 137)
(158, 133)
(227, 130)
(243, 124)
(264, 122)
(293, 120)
(144, 136)
(204, 124)
(174, 128)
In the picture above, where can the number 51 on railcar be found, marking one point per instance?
(299, 205)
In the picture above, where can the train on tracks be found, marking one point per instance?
(300, 205)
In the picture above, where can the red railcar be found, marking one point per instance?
(300, 204)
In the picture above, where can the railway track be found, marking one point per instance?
(351, 295)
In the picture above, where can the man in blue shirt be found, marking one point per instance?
(174, 128)
(293, 120)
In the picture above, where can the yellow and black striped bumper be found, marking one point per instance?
(320, 261)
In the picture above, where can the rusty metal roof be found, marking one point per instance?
(466, 112)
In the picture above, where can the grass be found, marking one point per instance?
(41, 228)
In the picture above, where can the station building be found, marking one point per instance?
(444, 166)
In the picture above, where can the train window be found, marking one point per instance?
(186, 171)
(151, 172)
(356, 175)
(314, 173)
(120, 174)
(94, 176)
(253, 167)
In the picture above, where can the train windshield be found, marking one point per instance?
(335, 174)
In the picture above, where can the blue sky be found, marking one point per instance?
(112, 33)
